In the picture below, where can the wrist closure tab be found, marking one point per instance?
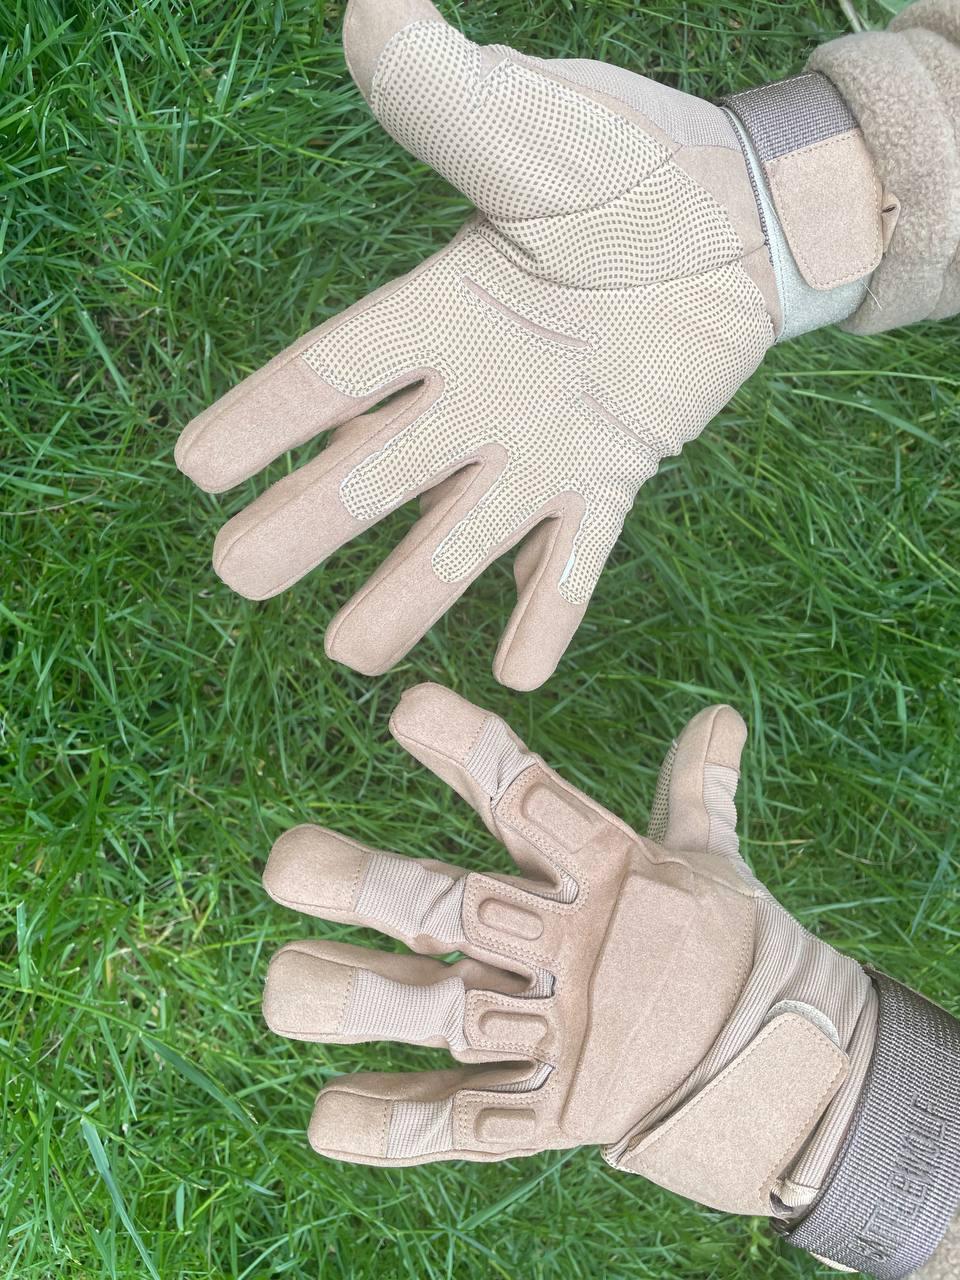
(896, 1182)
(819, 174)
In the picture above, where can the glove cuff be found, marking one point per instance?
(895, 1185)
(903, 86)
(819, 196)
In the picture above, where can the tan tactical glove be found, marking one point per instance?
(610, 295)
(646, 994)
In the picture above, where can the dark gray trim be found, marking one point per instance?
(789, 115)
(896, 1183)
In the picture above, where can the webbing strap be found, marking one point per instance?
(896, 1183)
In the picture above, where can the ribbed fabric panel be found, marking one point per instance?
(383, 1009)
(411, 899)
(543, 984)
(496, 759)
(719, 791)
(420, 1129)
(539, 1077)
(719, 799)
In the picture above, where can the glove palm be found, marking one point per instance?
(610, 295)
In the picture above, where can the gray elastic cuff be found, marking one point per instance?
(896, 1183)
(773, 120)
(791, 114)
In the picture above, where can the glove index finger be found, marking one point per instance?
(472, 750)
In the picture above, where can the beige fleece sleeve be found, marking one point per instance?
(903, 86)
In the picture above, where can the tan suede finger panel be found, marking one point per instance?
(387, 1119)
(278, 408)
(340, 994)
(514, 927)
(726, 1146)
(542, 623)
(472, 751)
(300, 520)
(404, 587)
(511, 1026)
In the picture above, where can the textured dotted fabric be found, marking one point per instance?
(688, 120)
(592, 318)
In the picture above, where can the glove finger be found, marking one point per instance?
(555, 834)
(431, 906)
(300, 520)
(425, 574)
(517, 142)
(330, 375)
(341, 994)
(417, 900)
(411, 1118)
(694, 807)
(279, 407)
(473, 751)
(556, 572)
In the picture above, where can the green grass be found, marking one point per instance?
(187, 187)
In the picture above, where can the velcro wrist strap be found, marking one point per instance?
(820, 176)
(896, 1183)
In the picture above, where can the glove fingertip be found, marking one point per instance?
(349, 1125)
(368, 27)
(728, 735)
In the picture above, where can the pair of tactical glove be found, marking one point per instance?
(634, 253)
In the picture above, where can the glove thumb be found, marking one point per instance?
(516, 140)
(694, 806)
(369, 26)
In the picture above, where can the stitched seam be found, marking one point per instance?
(362, 866)
(489, 1000)
(493, 941)
(514, 820)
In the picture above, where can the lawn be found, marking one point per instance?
(186, 188)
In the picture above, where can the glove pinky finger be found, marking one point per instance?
(386, 1118)
(556, 572)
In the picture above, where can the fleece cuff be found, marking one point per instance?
(903, 87)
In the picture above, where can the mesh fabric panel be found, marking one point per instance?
(660, 809)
